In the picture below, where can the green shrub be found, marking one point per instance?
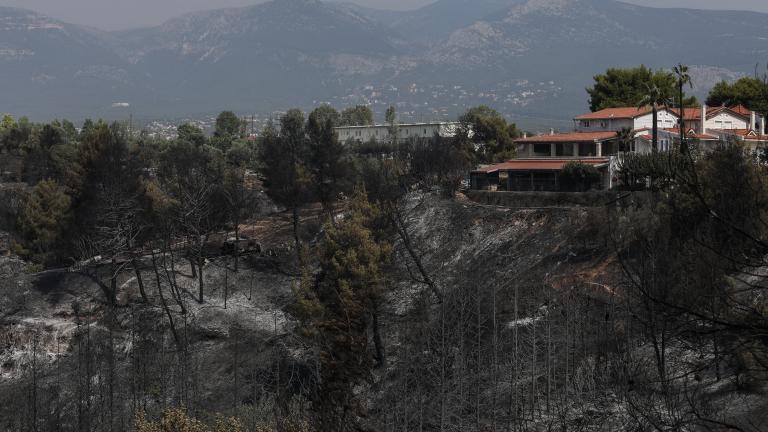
(578, 177)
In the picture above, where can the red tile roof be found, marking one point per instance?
(695, 113)
(569, 137)
(741, 109)
(616, 113)
(538, 164)
(689, 113)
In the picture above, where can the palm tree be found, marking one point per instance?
(683, 78)
(624, 137)
(656, 98)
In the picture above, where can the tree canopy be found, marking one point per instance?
(228, 124)
(750, 92)
(490, 132)
(360, 115)
(619, 87)
(191, 134)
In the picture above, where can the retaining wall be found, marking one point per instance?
(548, 199)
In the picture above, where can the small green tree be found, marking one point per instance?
(228, 124)
(43, 220)
(17, 136)
(489, 131)
(327, 159)
(360, 115)
(340, 305)
(191, 134)
(228, 129)
(7, 122)
(578, 177)
(391, 115)
(283, 158)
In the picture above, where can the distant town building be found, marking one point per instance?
(595, 141)
(381, 133)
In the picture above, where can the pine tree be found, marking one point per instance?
(339, 307)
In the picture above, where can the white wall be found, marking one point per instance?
(603, 125)
(380, 133)
(666, 119)
(726, 120)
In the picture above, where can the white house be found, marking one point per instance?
(381, 133)
(595, 141)
(715, 119)
(615, 119)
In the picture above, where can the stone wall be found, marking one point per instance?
(545, 199)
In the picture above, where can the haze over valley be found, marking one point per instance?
(530, 59)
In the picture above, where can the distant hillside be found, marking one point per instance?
(529, 58)
(438, 20)
(50, 67)
(269, 55)
(569, 41)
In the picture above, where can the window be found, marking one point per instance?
(603, 124)
(542, 149)
(587, 149)
(585, 123)
(564, 149)
(610, 148)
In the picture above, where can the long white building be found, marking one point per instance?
(381, 132)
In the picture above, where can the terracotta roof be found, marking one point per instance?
(741, 109)
(538, 164)
(615, 113)
(689, 113)
(569, 137)
(695, 113)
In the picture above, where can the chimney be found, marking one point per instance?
(703, 123)
(753, 120)
(551, 131)
(525, 135)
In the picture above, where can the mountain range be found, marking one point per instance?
(531, 59)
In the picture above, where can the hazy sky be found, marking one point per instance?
(121, 14)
